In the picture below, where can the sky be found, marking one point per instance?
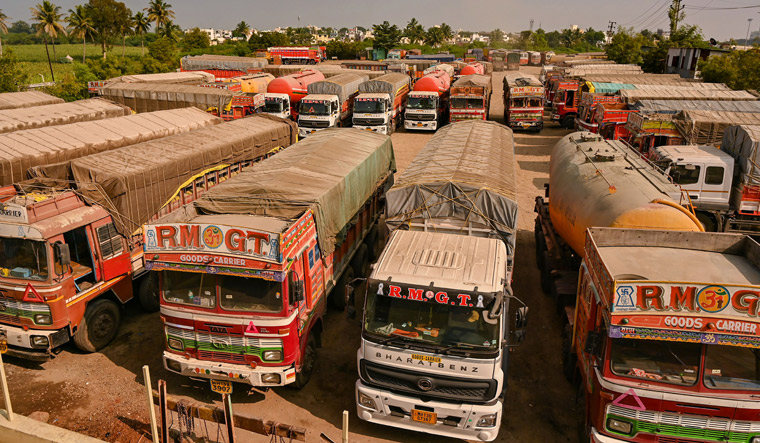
(472, 15)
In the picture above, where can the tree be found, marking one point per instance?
(625, 47)
(496, 36)
(686, 37)
(539, 41)
(3, 29)
(554, 39)
(446, 31)
(48, 18)
(12, 77)
(109, 18)
(141, 27)
(159, 12)
(387, 36)
(21, 27)
(125, 29)
(299, 36)
(675, 14)
(434, 36)
(241, 30)
(195, 39)
(414, 31)
(737, 69)
(265, 40)
(80, 26)
(171, 31)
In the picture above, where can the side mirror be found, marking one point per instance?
(593, 343)
(300, 293)
(521, 317)
(62, 253)
(350, 299)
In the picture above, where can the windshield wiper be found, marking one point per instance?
(459, 345)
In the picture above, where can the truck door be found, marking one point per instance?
(688, 176)
(716, 185)
(85, 267)
(113, 253)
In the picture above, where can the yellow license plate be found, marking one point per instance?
(419, 125)
(526, 125)
(367, 129)
(424, 416)
(221, 386)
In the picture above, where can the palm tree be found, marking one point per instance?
(434, 36)
(80, 26)
(48, 18)
(3, 29)
(126, 29)
(170, 31)
(142, 25)
(243, 29)
(414, 31)
(159, 12)
(446, 31)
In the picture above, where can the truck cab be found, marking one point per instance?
(373, 112)
(277, 105)
(317, 112)
(423, 111)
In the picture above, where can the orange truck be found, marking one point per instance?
(523, 102)
(470, 98)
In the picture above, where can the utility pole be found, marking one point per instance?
(531, 25)
(609, 30)
(746, 40)
(675, 15)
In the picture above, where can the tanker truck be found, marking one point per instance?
(598, 183)
(284, 93)
(472, 69)
(329, 104)
(428, 105)
(253, 84)
(381, 103)
(435, 336)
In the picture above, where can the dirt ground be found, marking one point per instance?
(102, 394)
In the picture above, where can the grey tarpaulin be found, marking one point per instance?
(133, 183)
(48, 151)
(464, 174)
(175, 78)
(221, 62)
(342, 85)
(326, 70)
(59, 114)
(675, 106)
(388, 84)
(333, 173)
(26, 99)
(743, 143)
(706, 127)
(633, 95)
(147, 97)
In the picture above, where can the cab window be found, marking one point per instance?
(685, 174)
(714, 175)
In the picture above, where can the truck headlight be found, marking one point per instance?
(174, 365)
(487, 421)
(367, 401)
(620, 426)
(176, 344)
(43, 319)
(40, 341)
(272, 355)
(755, 439)
(270, 379)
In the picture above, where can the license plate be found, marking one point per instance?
(419, 125)
(367, 129)
(221, 386)
(526, 125)
(424, 416)
(313, 131)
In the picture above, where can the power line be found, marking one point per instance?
(642, 14)
(655, 17)
(717, 8)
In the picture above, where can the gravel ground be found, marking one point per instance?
(102, 394)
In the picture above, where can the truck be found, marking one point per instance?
(329, 103)
(222, 66)
(534, 58)
(284, 93)
(513, 60)
(586, 118)
(661, 352)
(26, 99)
(435, 333)
(611, 119)
(254, 83)
(72, 257)
(523, 102)
(472, 68)
(244, 277)
(428, 105)
(565, 98)
(59, 114)
(193, 78)
(470, 98)
(381, 103)
(297, 55)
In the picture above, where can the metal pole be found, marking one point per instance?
(228, 418)
(6, 394)
(153, 425)
(345, 426)
(746, 40)
(162, 405)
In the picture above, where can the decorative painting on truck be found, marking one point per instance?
(214, 239)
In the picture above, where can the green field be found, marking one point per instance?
(33, 59)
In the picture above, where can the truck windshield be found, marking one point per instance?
(429, 323)
(189, 288)
(273, 105)
(664, 361)
(467, 103)
(369, 106)
(526, 102)
(314, 108)
(421, 103)
(249, 294)
(25, 259)
(732, 368)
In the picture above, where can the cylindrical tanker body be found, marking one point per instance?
(295, 85)
(472, 68)
(436, 81)
(602, 183)
(254, 84)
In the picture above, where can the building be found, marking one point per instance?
(684, 61)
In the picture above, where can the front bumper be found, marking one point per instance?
(585, 126)
(596, 437)
(381, 129)
(192, 367)
(526, 125)
(427, 125)
(395, 410)
(304, 132)
(555, 116)
(20, 342)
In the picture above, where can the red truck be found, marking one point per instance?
(611, 119)
(565, 102)
(284, 93)
(70, 257)
(244, 277)
(222, 66)
(297, 55)
(586, 118)
(470, 98)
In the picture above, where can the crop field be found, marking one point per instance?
(33, 59)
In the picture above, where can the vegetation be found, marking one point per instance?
(48, 24)
(110, 19)
(387, 36)
(12, 78)
(80, 26)
(3, 29)
(738, 69)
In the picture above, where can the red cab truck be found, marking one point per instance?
(523, 102)
(69, 257)
(565, 102)
(245, 271)
(222, 66)
(297, 55)
(470, 98)
(586, 118)
(611, 119)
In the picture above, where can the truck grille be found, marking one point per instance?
(313, 123)
(223, 347)
(420, 117)
(221, 356)
(444, 388)
(9, 319)
(368, 121)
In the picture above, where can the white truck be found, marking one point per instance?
(277, 104)
(428, 104)
(329, 103)
(435, 334)
(381, 103)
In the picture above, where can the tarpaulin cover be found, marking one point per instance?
(643, 79)
(134, 182)
(221, 62)
(26, 99)
(633, 95)
(706, 127)
(326, 70)
(175, 78)
(465, 173)
(743, 144)
(253, 84)
(333, 173)
(48, 151)
(519, 79)
(388, 84)
(147, 97)
(59, 114)
(342, 85)
(675, 106)
(474, 80)
(608, 88)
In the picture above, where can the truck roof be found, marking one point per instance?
(26, 99)
(447, 260)
(693, 153)
(379, 95)
(319, 97)
(424, 93)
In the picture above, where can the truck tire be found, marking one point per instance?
(708, 223)
(338, 293)
(568, 358)
(99, 325)
(309, 358)
(546, 278)
(540, 249)
(568, 122)
(148, 294)
(360, 262)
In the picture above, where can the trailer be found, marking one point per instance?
(59, 114)
(26, 99)
(381, 103)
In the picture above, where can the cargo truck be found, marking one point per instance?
(513, 60)
(611, 119)
(26, 99)
(254, 83)
(222, 66)
(585, 120)
(59, 114)
(284, 93)
(381, 103)
(470, 98)
(523, 102)
(329, 103)
(663, 343)
(297, 55)
(565, 100)
(244, 275)
(70, 256)
(435, 334)
(534, 58)
(428, 105)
